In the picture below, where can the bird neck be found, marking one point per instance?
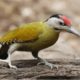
(52, 27)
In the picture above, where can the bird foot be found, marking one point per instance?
(50, 65)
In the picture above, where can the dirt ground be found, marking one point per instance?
(65, 53)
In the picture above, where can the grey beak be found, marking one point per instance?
(74, 31)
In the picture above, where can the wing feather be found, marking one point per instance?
(24, 33)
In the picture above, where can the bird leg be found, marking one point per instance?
(5, 52)
(10, 51)
(8, 60)
(42, 61)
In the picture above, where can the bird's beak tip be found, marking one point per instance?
(74, 31)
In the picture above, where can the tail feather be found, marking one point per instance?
(3, 51)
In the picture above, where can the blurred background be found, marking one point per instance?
(16, 12)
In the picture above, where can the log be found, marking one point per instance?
(28, 70)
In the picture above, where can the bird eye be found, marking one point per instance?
(61, 23)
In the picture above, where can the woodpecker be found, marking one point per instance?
(34, 37)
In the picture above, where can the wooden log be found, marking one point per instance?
(28, 70)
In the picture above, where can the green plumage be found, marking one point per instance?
(34, 34)
(47, 38)
(23, 33)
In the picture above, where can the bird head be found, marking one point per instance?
(60, 23)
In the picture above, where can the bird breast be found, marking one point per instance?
(46, 39)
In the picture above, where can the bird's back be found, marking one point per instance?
(26, 32)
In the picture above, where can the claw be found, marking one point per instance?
(50, 65)
(40, 63)
(13, 67)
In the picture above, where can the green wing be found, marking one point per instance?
(24, 33)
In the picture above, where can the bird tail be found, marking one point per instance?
(3, 51)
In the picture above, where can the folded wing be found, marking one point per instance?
(24, 33)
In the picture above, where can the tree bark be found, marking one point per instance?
(28, 70)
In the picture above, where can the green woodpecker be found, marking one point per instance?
(34, 37)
